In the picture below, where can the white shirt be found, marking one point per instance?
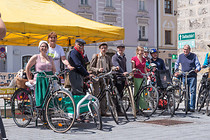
(56, 54)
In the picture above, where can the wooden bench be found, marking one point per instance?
(6, 94)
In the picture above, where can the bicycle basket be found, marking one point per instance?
(163, 78)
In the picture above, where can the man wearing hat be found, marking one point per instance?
(76, 59)
(207, 59)
(100, 63)
(119, 60)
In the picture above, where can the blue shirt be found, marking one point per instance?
(206, 61)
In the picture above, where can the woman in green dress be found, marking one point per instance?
(139, 62)
(42, 62)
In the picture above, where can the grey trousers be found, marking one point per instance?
(76, 81)
(99, 85)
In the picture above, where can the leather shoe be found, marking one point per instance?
(192, 110)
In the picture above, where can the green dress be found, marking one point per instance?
(41, 87)
(142, 103)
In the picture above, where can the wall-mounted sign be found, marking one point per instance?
(186, 39)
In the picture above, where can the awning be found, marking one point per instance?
(29, 21)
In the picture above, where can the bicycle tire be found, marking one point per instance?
(178, 97)
(112, 107)
(60, 111)
(171, 103)
(119, 101)
(96, 116)
(126, 100)
(22, 107)
(200, 97)
(186, 101)
(202, 100)
(132, 102)
(151, 98)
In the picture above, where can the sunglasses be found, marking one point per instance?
(81, 44)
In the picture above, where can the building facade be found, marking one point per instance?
(150, 23)
(194, 16)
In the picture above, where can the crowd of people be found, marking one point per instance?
(50, 55)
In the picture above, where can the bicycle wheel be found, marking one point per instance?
(149, 96)
(171, 103)
(126, 100)
(128, 93)
(119, 101)
(112, 107)
(60, 111)
(22, 107)
(186, 101)
(178, 97)
(200, 97)
(96, 116)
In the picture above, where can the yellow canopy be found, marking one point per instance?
(29, 21)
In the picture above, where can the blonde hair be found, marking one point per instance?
(139, 48)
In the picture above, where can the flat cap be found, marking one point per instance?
(121, 45)
(102, 44)
(80, 41)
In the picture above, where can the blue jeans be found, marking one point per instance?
(192, 84)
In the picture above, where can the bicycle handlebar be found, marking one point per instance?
(143, 74)
(56, 75)
(185, 73)
(101, 76)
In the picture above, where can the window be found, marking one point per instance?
(168, 37)
(142, 33)
(84, 2)
(109, 3)
(141, 5)
(168, 6)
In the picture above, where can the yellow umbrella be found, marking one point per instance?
(29, 21)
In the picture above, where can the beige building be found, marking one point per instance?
(167, 33)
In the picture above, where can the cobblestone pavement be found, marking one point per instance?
(199, 128)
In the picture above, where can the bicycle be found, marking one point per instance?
(57, 107)
(204, 93)
(110, 92)
(166, 92)
(128, 97)
(185, 91)
(149, 94)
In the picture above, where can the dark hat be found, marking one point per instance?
(80, 41)
(208, 45)
(121, 45)
(102, 44)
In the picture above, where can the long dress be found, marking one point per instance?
(138, 79)
(41, 81)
